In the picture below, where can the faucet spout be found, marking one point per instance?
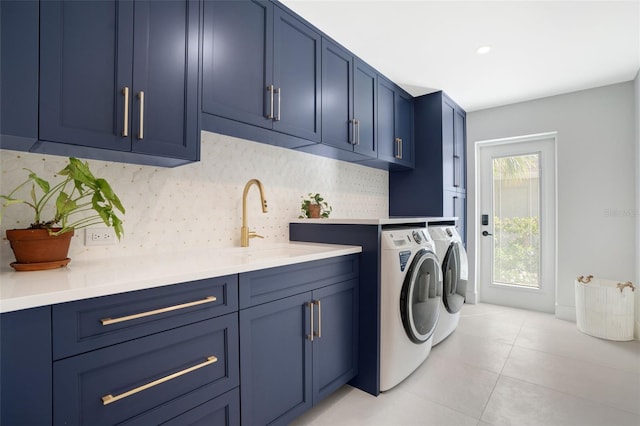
(245, 234)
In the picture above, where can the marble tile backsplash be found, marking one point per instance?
(200, 205)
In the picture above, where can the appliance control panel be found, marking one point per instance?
(405, 238)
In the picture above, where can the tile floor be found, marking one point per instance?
(504, 366)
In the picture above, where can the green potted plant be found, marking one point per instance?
(80, 200)
(314, 207)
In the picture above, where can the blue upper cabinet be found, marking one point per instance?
(108, 80)
(296, 74)
(395, 124)
(237, 61)
(165, 70)
(18, 74)
(440, 163)
(85, 64)
(365, 108)
(261, 66)
(348, 101)
(338, 124)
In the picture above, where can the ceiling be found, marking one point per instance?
(538, 48)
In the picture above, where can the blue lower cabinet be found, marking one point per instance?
(221, 411)
(25, 367)
(335, 347)
(148, 380)
(295, 351)
(275, 360)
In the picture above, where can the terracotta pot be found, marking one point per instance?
(37, 246)
(314, 211)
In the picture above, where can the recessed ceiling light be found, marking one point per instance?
(482, 50)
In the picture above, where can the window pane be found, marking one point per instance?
(516, 208)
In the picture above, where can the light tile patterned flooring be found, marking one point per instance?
(504, 366)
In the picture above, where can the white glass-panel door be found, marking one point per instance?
(517, 224)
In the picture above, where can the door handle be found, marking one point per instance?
(485, 234)
(270, 115)
(318, 333)
(141, 129)
(125, 127)
(311, 328)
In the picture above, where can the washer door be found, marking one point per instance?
(453, 283)
(420, 297)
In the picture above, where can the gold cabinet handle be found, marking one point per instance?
(141, 132)
(310, 305)
(270, 115)
(318, 334)
(125, 127)
(108, 321)
(108, 399)
(357, 132)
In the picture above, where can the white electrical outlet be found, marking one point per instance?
(99, 237)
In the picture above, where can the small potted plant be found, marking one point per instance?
(78, 201)
(315, 207)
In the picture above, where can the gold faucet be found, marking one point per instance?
(245, 234)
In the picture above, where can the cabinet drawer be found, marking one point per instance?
(80, 326)
(275, 283)
(221, 411)
(148, 380)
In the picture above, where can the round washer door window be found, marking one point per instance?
(420, 297)
(454, 287)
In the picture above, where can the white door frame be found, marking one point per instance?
(477, 202)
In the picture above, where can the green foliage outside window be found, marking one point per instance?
(517, 251)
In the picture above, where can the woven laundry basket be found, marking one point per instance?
(605, 308)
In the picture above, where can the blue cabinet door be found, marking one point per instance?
(447, 141)
(404, 127)
(275, 360)
(165, 78)
(338, 126)
(335, 346)
(395, 124)
(86, 55)
(296, 75)
(18, 74)
(387, 146)
(237, 61)
(364, 108)
(459, 150)
(25, 367)
(348, 101)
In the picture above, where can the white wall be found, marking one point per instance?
(637, 211)
(596, 169)
(200, 205)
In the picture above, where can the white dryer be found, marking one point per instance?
(410, 300)
(455, 275)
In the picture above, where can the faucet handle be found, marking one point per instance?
(253, 234)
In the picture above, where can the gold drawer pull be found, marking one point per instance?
(108, 399)
(108, 321)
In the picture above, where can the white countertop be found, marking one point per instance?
(92, 278)
(378, 221)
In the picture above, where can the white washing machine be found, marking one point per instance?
(455, 275)
(410, 299)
